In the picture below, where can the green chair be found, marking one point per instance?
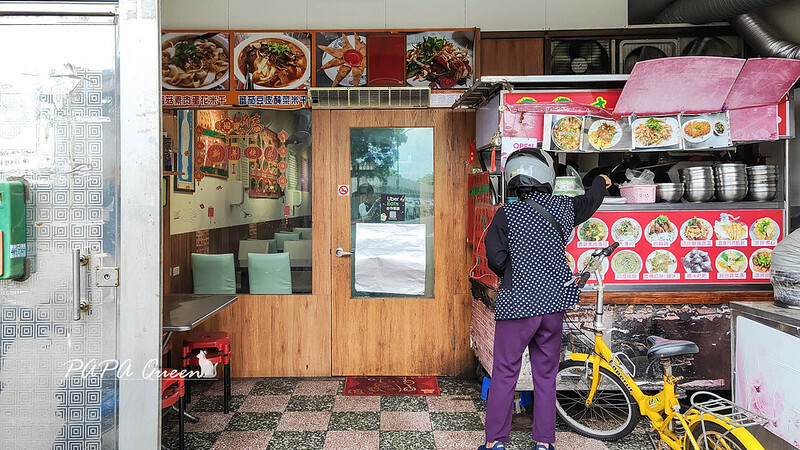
(269, 273)
(213, 274)
(305, 233)
(283, 236)
(251, 246)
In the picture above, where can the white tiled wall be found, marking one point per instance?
(488, 15)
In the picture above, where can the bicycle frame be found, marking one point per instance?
(662, 408)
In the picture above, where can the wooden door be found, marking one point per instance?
(394, 336)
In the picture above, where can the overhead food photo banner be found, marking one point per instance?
(274, 69)
(680, 246)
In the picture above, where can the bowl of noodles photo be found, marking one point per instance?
(567, 133)
(593, 230)
(604, 134)
(626, 262)
(626, 230)
(655, 132)
(190, 63)
(275, 61)
(697, 130)
(661, 261)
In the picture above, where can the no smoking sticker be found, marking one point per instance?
(344, 190)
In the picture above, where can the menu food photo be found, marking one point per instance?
(707, 246)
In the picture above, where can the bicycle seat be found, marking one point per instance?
(661, 347)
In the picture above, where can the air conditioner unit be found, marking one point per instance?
(369, 97)
(635, 50)
(729, 46)
(581, 56)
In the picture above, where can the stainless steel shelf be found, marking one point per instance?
(687, 206)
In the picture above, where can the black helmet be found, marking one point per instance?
(529, 168)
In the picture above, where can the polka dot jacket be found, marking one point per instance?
(528, 253)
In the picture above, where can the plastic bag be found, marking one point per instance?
(784, 273)
(639, 178)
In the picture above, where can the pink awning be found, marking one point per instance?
(762, 82)
(758, 123)
(688, 84)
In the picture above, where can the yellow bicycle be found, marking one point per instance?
(598, 397)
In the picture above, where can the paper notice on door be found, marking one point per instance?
(390, 258)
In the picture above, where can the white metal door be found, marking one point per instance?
(59, 130)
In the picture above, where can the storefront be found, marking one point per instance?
(681, 259)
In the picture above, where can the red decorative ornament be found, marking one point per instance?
(198, 130)
(283, 135)
(252, 152)
(226, 125)
(282, 166)
(271, 153)
(234, 153)
(283, 151)
(282, 181)
(216, 154)
(258, 128)
(199, 175)
(200, 145)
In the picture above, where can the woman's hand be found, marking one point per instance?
(607, 180)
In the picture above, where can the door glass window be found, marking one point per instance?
(391, 212)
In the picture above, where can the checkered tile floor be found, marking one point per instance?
(291, 413)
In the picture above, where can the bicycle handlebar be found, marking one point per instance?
(582, 277)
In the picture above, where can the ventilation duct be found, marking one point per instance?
(370, 97)
(753, 29)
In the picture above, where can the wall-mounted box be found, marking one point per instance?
(13, 244)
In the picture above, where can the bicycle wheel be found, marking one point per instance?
(715, 438)
(613, 412)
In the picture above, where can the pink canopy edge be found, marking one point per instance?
(686, 84)
(762, 82)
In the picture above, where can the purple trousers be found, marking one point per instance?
(542, 336)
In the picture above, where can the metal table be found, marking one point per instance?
(182, 312)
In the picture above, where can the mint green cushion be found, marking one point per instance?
(213, 274)
(269, 273)
(283, 236)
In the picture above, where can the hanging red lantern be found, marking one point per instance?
(216, 154)
(271, 153)
(234, 153)
(282, 181)
(199, 145)
(252, 152)
(283, 136)
(199, 175)
(283, 151)
(282, 166)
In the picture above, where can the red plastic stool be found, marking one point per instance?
(217, 345)
(172, 391)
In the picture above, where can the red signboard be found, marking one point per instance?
(681, 247)
(606, 99)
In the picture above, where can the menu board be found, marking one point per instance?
(680, 247)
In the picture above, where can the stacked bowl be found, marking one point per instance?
(730, 180)
(762, 182)
(669, 192)
(698, 183)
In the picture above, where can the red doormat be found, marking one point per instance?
(415, 386)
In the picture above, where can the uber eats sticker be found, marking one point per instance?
(393, 208)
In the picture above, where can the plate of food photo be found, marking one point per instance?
(731, 261)
(194, 62)
(697, 130)
(765, 229)
(626, 262)
(661, 229)
(567, 133)
(696, 229)
(626, 230)
(604, 134)
(655, 132)
(593, 230)
(274, 61)
(661, 261)
(761, 260)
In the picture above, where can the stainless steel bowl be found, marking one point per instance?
(761, 195)
(698, 195)
(731, 195)
(669, 192)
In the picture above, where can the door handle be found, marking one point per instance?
(78, 306)
(340, 252)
